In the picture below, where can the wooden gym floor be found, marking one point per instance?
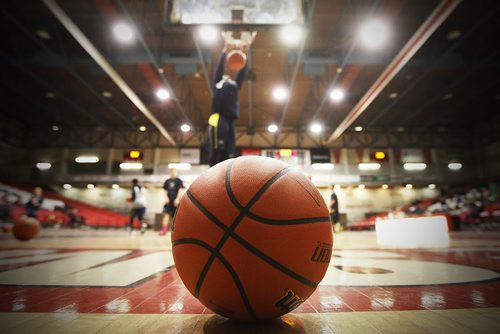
(71, 281)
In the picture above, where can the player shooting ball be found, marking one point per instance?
(225, 103)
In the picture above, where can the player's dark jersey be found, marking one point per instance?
(172, 187)
(225, 100)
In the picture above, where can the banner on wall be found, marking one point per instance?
(190, 155)
(320, 155)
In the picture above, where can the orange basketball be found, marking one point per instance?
(236, 59)
(252, 238)
(26, 228)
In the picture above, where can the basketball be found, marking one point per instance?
(26, 228)
(236, 60)
(252, 238)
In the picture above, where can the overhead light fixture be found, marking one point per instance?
(272, 128)
(373, 34)
(369, 166)
(162, 94)
(55, 128)
(142, 128)
(414, 166)
(280, 94)
(90, 186)
(50, 95)
(67, 186)
(361, 186)
(185, 128)
(316, 128)
(432, 186)
(43, 34)
(393, 95)
(131, 165)
(107, 94)
(337, 95)
(455, 165)
(358, 128)
(409, 186)
(385, 186)
(115, 186)
(291, 34)
(400, 129)
(179, 165)
(208, 34)
(123, 32)
(87, 159)
(323, 166)
(43, 165)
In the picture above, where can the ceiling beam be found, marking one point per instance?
(104, 64)
(435, 19)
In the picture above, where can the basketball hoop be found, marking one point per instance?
(242, 43)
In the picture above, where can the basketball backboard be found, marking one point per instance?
(236, 14)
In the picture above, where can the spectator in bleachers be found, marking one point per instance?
(35, 202)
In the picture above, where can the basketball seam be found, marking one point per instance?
(228, 267)
(266, 258)
(238, 219)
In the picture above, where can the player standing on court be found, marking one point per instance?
(172, 186)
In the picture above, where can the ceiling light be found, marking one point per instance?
(162, 94)
(123, 32)
(272, 128)
(179, 165)
(115, 186)
(337, 95)
(185, 128)
(374, 33)
(43, 34)
(50, 95)
(400, 129)
(409, 186)
(323, 166)
(131, 165)
(107, 94)
(361, 186)
(280, 94)
(291, 34)
(208, 34)
(454, 34)
(455, 166)
(448, 96)
(142, 128)
(43, 165)
(358, 128)
(316, 128)
(90, 186)
(385, 186)
(393, 95)
(369, 166)
(87, 159)
(415, 166)
(432, 186)
(55, 128)
(67, 186)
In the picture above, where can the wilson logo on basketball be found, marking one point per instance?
(289, 301)
(322, 253)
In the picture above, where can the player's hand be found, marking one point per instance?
(176, 203)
